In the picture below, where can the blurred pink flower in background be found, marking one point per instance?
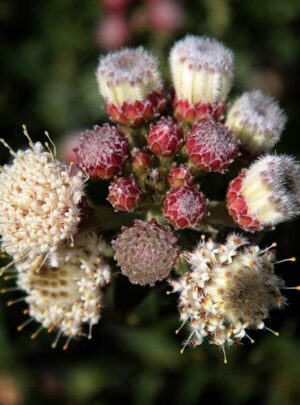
(113, 31)
(165, 15)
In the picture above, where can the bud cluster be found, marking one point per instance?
(197, 162)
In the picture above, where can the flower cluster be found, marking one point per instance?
(231, 287)
(163, 158)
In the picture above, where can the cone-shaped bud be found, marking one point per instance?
(180, 176)
(257, 121)
(211, 147)
(165, 137)
(102, 151)
(125, 194)
(185, 207)
(229, 289)
(146, 252)
(130, 84)
(202, 70)
(140, 160)
(266, 194)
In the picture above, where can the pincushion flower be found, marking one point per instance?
(202, 71)
(64, 298)
(130, 83)
(230, 288)
(39, 203)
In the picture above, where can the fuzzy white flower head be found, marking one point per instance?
(257, 121)
(64, 298)
(39, 204)
(128, 75)
(266, 194)
(230, 288)
(202, 69)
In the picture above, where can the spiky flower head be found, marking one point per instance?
(102, 151)
(266, 194)
(39, 203)
(257, 121)
(130, 83)
(66, 297)
(124, 194)
(211, 147)
(185, 207)
(202, 70)
(165, 137)
(229, 289)
(146, 252)
(180, 176)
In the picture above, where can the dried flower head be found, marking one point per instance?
(39, 204)
(130, 84)
(229, 288)
(257, 121)
(266, 194)
(185, 207)
(102, 151)
(202, 70)
(146, 252)
(211, 147)
(64, 298)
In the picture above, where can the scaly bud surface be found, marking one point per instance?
(102, 151)
(165, 137)
(211, 147)
(202, 70)
(125, 194)
(146, 252)
(185, 207)
(180, 176)
(266, 194)
(131, 86)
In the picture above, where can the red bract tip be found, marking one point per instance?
(185, 207)
(180, 176)
(165, 137)
(125, 194)
(211, 147)
(102, 151)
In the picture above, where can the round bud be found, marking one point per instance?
(140, 160)
(165, 137)
(185, 207)
(125, 194)
(180, 176)
(130, 83)
(146, 252)
(211, 147)
(257, 121)
(202, 70)
(102, 151)
(266, 194)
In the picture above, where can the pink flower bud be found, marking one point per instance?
(185, 207)
(125, 194)
(180, 176)
(102, 151)
(211, 147)
(165, 137)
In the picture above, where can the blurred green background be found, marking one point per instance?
(49, 52)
